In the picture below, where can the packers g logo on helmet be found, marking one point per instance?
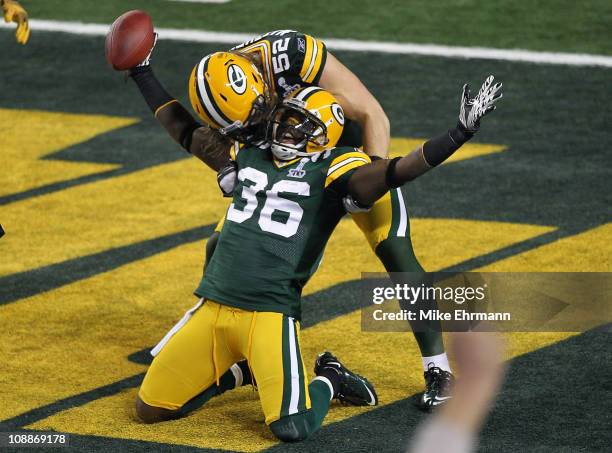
(227, 92)
(308, 121)
(237, 78)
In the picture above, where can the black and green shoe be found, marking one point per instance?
(352, 389)
(438, 384)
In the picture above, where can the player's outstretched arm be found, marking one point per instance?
(359, 105)
(14, 12)
(370, 182)
(198, 139)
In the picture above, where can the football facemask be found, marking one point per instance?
(292, 129)
(251, 131)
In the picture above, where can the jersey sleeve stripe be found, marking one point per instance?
(313, 59)
(345, 162)
(346, 166)
(337, 162)
(307, 56)
(317, 60)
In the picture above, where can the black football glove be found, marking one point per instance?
(227, 177)
(473, 109)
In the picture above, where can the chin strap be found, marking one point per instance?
(284, 152)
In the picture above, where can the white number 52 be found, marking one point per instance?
(280, 60)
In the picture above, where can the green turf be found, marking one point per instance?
(555, 25)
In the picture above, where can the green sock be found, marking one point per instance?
(320, 397)
(397, 255)
(297, 427)
(226, 382)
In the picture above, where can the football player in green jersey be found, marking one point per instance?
(286, 201)
(287, 60)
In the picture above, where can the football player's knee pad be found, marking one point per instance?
(292, 428)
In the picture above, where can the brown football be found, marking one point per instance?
(129, 40)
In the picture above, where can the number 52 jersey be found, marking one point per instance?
(276, 228)
(289, 59)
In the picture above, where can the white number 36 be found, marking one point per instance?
(274, 202)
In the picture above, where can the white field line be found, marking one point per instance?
(557, 58)
(201, 1)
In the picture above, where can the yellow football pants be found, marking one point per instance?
(216, 336)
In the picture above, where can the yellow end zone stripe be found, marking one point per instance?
(23, 150)
(401, 146)
(108, 213)
(117, 329)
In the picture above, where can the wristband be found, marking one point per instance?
(438, 149)
(187, 135)
(390, 178)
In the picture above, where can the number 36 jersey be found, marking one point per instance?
(276, 228)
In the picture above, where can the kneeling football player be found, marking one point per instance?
(287, 60)
(287, 199)
(233, 113)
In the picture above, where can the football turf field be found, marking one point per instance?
(106, 221)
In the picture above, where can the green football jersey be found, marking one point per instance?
(276, 228)
(290, 59)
